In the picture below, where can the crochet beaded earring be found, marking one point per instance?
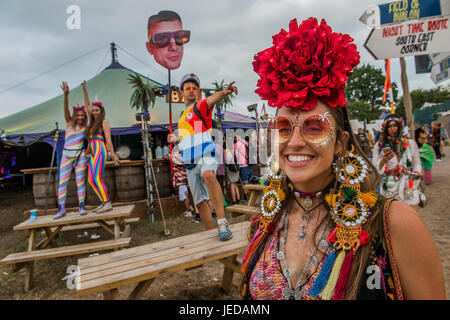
(270, 206)
(349, 210)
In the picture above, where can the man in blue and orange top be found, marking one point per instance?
(198, 151)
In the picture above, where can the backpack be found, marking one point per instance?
(233, 167)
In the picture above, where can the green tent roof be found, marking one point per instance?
(110, 86)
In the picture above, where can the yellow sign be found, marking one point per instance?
(177, 96)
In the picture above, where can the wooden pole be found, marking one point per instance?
(407, 102)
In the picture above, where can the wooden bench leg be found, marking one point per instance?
(227, 279)
(140, 289)
(30, 265)
(50, 238)
(126, 231)
(105, 226)
(251, 199)
(112, 294)
(29, 276)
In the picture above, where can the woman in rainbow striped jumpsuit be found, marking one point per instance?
(99, 134)
(73, 154)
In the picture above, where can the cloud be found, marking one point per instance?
(225, 37)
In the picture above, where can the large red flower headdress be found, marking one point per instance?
(307, 63)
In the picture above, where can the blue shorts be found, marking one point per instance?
(246, 174)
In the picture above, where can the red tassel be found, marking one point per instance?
(344, 276)
(364, 237)
(332, 236)
(250, 249)
(411, 185)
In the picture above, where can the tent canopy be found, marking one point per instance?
(112, 88)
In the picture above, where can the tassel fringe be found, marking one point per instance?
(344, 277)
(251, 248)
(324, 274)
(327, 292)
(369, 198)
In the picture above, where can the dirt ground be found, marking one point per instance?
(199, 284)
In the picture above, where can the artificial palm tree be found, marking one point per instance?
(144, 94)
(223, 104)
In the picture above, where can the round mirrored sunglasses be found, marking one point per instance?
(315, 128)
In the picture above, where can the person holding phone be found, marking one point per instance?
(397, 160)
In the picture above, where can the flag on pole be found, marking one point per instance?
(388, 94)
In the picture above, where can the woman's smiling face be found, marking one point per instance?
(308, 165)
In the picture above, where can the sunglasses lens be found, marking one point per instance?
(316, 129)
(182, 37)
(283, 127)
(162, 39)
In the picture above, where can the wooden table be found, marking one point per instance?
(52, 227)
(253, 206)
(141, 265)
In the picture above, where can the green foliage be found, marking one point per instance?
(144, 94)
(363, 111)
(364, 93)
(225, 102)
(420, 96)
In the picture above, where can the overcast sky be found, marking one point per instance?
(225, 35)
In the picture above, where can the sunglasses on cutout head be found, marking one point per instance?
(162, 39)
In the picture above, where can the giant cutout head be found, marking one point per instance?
(166, 38)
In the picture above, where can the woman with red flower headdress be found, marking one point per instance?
(324, 232)
(73, 155)
(397, 159)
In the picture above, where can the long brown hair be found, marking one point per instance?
(385, 133)
(372, 226)
(96, 123)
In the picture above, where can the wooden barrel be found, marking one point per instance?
(72, 194)
(108, 179)
(130, 183)
(40, 181)
(162, 177)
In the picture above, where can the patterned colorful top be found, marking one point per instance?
(195, 137)
(74, 139)
(179, 172)
(267, 282)
(98, 137)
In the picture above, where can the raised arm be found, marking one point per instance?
(65, 89)
(220, 95)
(109, 145)
(87, 104)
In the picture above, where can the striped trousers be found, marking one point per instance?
(65, 170)
(96, 167)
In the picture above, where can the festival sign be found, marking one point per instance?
(424, 36)
(438, 57)
(439, 72)
(177, 96)
(404, 10)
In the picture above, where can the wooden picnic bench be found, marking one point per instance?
(253, 205)
(141, 265)
(52, 227)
